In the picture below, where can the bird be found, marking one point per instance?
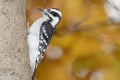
(40, 34)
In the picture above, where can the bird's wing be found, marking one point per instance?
(45, 35)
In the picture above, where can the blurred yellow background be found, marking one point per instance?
(89, 50)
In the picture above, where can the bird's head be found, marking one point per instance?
(53, 15)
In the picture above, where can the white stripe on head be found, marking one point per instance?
(56, 10)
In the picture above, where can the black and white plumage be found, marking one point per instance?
(40, 34)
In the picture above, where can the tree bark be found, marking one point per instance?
(14, 60)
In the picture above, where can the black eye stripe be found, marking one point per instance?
(54, 13)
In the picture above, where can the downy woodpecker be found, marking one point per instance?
(40, 34)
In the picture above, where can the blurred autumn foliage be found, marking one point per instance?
(85, 45)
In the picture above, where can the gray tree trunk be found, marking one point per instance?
(14, 60)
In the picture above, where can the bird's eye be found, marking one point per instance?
(54, 13)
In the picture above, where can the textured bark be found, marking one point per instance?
(14, 60)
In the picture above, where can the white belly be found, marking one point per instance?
(33, 42)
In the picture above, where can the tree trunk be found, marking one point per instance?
(14, 62)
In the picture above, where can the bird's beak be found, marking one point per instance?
(42, 11)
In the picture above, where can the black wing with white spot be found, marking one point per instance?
(46, 32)
(45, 35)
